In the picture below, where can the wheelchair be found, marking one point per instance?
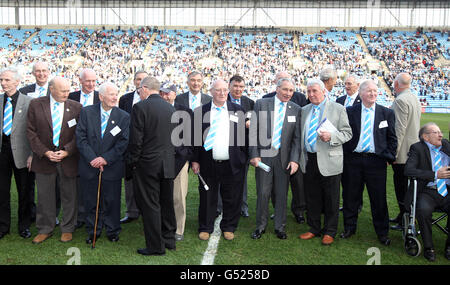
(410, 230)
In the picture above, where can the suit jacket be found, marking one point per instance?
(126, 102)
(20, 146)
(150, 136)
(40, 136)
(184, 152)
(407, 111)
(183, 99)
(261, 128)
(246, 103)
(384, 138)
(237, 149)
(30, 89)
(341, 100)
(330, 155)
(298, 98)
(76, 96)
(111, 147)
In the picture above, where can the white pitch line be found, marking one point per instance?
(211, 251)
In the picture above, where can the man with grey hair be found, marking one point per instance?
(41, 73)
(407, 111)
(102, 139)
(351, 95)
(329, 77)
(151, 158)
(194, 97)
(15, 153)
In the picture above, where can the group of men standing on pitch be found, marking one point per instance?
(308, 142)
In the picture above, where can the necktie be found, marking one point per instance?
(7, 117)
(56, 121)
(209, 141)
(312, 135)
(367, 130)
(236, 101)
(194, 102)
(440, 183)
(348, 101)
(105, 117)
(276, 140)
(86, 97)
(41, 91)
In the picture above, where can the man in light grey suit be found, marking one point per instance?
(275, 131)
(321, 159)
(15, 152)
(407, 111)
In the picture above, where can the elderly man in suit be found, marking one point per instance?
(194, 97)
(407, 111)
(366, 156)
(151, 156)
(351, 96)
(102, 139)
(41, 73)
(298, 97)
(220, 157)
(51, 132)
(15, 153)
(275, 127)
(429, 161)
(325, 130)
(329, 78)
(126, 103)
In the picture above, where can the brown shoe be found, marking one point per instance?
(228, 235)
(66, 237)
(327, 240)
(308, 235)
(41, 238)
(203, 236)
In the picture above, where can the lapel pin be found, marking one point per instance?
(67, 110)
(20, 111)
(112, 122)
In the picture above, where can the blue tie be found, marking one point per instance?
(367, 131)
(105, 117)
(7, 117)
(236, 101)
(440, 183)
(56, 121)
(312, 135)
(86, 97)
(194, 102)
(41, 91)
(209, 141)
(276, 140)
(348, 101)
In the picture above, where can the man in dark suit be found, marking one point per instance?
(194, 97)
(237, 86)
(220, 157)
(126, 103)
(298, 203)
(51, 132)
(15, 153)
(429, 161)
(151, 156)
(351, 96)
(276, 129)
(102, 139)
(366, 155)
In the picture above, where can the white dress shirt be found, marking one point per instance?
(221, 141)
(352, 100)
(136, 98)
(90, 99)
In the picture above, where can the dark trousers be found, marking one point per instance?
(428, 201)
(231, 189)
(109, 205)
(400, 185)
(7, 168)
(322, 195)
(298, 202)
(369, 170)
(154, 198)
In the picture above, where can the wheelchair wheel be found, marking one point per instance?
(413, 246)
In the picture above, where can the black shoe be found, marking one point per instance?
(430, 254)
(281, 234)
(171, 247)
(3, 234)
(113, 238)
(384, 240)
(397, 227)
(146, 252)
(244, 214)
(25, 233)
(347, 234)
(447, 251)
(397, 219)
(300, 219)
(257, 234)
(127, 220)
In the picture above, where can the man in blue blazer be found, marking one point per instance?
(102, 139)
(373, 145)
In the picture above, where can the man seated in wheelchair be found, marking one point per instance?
(428, 161)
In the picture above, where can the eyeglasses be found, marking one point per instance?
(221, 90)
(435, 132)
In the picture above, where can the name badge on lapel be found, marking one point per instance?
(234, 118)
(383, 124)
(72, 123)
(115, 131)
(291, 119)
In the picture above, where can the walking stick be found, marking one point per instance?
(96, 211)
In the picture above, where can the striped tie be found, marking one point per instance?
(105, 117)
(41, 91)
(440, 183)
(348, 101)
(276, 140)
(194, 102)
(56, 121)
(367, 131)
(212, 130)
(312, 135)
(7, 117)
(86, 97)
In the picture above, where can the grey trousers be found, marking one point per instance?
(132, 209)
(46, 205)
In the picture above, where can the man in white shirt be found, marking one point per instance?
(351, 95)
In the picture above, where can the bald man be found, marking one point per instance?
(51, 128)
(87, 95)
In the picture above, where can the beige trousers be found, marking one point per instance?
(180, 189)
